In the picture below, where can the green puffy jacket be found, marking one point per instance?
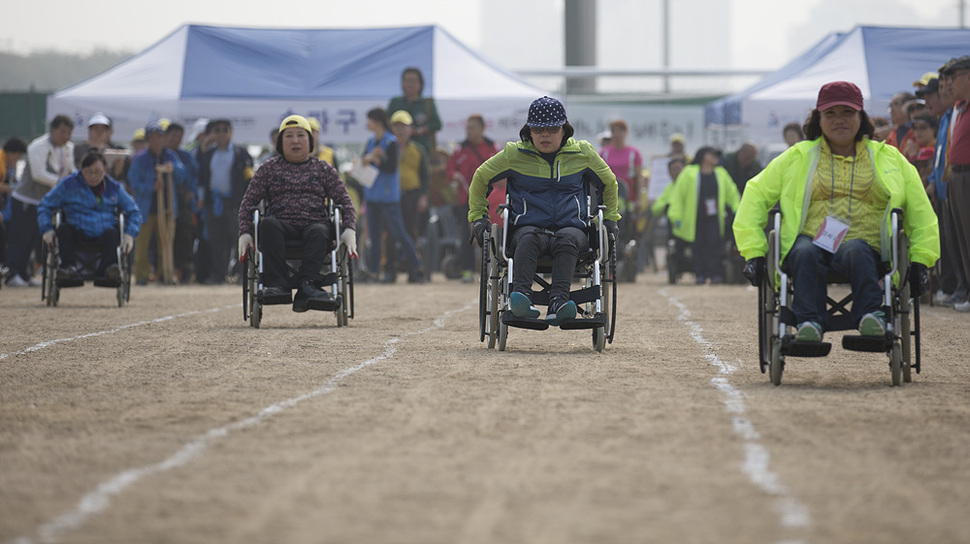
(682, 212)
(787, 180)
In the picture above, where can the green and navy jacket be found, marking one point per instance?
(544, 194)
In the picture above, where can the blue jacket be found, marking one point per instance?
(85, 212)
(939, 164)
(550, 196)
(387, 186)
(141, 175)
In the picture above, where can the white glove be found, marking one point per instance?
(245, 242)
(48, 237)
(127, 243)
(349, 238)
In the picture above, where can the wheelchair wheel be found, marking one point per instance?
(766, 309)
(255, 305)
(609, 296)
(51, 292)
(503, 335)
(123, 291)
(494, 295)
(896, 363)
(777, 363)
(344, 280)
(907, 347)
(483, 294)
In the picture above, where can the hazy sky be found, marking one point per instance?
(764, 33)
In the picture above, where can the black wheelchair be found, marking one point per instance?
(595, 300)
(338, 274)
(776, 321)
(87, 257)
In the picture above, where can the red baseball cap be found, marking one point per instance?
(839, 93)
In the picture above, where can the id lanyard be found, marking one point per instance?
(833, 229)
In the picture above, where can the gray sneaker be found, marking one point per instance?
(809, 331)
(873, 324)
(962, 306)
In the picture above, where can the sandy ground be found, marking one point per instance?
(171, 420)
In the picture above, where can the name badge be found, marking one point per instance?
(710, 205)
(830, 235)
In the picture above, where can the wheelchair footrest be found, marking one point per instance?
(533, 323)
(104, 282)
(285, 298)
(793, 348)
(324, 305)
(871, 344)
(594, 322)
(70, 283)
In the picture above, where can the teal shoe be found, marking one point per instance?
(809, 331)
(559, 311)
(522, 305)
(873, 324)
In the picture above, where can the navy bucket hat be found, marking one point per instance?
(546, 112)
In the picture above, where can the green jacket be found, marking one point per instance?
(788, 180)
(659, 206)
(682, 212)
(550, 196)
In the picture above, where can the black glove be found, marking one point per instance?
(754, 270)
(919, 279)
(611, 227)
(478, 230)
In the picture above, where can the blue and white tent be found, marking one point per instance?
(882, 61)
(258, 76)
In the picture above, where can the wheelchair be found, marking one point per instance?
(595, 301)
(776, 321)
(87, 255)
(339, 274)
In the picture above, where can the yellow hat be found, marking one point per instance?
(139, 135)
(401, 116)
(677, 137)
(290, 122)
(164, 123)
(314, 123)
(925, 79)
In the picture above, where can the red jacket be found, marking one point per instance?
(465, 160)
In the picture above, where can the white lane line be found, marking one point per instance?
(757, 459)
(50, 343)
(99, 500)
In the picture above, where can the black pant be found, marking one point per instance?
(68, 238)
(24, 237)
(273, 235)
(466, 253)
(530, 243)
(222, 241)
(707, 251)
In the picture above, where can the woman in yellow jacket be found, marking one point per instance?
(839, 186)
(699, 200)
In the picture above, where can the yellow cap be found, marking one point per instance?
(677, 137)
(314, 123)
(401, 116)
(139, 135)
(296, 121)
(164, 123)
(925, 79)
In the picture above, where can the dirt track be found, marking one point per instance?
(403, 428)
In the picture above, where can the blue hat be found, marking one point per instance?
(152, 128)
(546, 112)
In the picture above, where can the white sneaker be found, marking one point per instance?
(17, 281)
(963, 306)
(34, 282)
(940, 298)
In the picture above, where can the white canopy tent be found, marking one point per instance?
(882, 61)
(255, 77)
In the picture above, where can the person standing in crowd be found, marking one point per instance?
(423, 111)
(547, 172)
(145, 175)
(625, 162)
(383, 198)
(924, 135)
(295, 184)
(698, 207)
(224, 171)
(471, 153)
(743, 164)
(841, 184)
(677, 149)
(321, 151)
(91, 201)
(185, 217)
(49, 159)
(99, 137)
(958, 81)
(952, 288)
(13, 149)
(415, 182)
(901, 131)
(792, 134)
